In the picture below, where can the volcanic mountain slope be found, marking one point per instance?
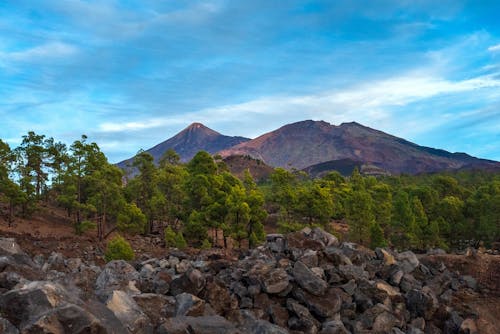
(307, 143)
(196, 137)
(238, 164)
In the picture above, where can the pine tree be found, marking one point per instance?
(359, 215)
(377, 236)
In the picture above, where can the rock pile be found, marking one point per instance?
(304, 282)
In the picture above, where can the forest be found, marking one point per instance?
(199, 202)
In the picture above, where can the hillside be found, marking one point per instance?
(238, 164)
(196, 137)
(307, 143)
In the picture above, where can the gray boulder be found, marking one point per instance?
(323, 306)
(154, 306)
(308, 280)
(192, 281)
(198, 325)
(276, 242)
(7, 328)
(408, 261)
(117, 275)
(69, 318)
(128, 312)
(275, 281)
(189, 305)
(303, 320)
(333, 327)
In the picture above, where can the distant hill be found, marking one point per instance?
(238, 164)
(196, 137)
(304, 144)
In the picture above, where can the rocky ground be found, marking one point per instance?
(304, 282)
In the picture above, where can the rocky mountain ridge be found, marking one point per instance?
(308, 143)
(303, 282)
(319, 147)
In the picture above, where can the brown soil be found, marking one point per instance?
(485, 268)
(484, 306)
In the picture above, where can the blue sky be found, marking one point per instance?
(131, 74)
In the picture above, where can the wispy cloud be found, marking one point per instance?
(50, 50)
(494, 48)
(371, 102)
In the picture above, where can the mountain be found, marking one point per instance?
(196, 137)
(307, 143)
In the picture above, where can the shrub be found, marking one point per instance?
(206, 244)
(180, 242)
(118, 249)
(169, 236)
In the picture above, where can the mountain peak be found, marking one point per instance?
(196, 125)
(196, 137)
(353, 124)
(197, 129)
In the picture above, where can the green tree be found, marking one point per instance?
(283, 194)
(255, 201)
(315, 204)
(382, 196)
(105, 196)
(195, 228)
(377, 238)
(359, 215)
(131, 219)
(171, 179)
(202, 163)
(238, 216)
(143, 189)
(75, 190)
(417, 231)
(32, 154)
(169, 158)
(10, 192)
(483, 209)
(451, 209)
(403, 220)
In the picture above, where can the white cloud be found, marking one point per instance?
(41, 52)
(372, 103)
(135, 126)
(494, 48)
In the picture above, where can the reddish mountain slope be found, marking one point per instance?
(303, 144)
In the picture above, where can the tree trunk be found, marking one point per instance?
(11, 213)
(103, 222)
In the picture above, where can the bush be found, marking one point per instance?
(180, 242)
(119, 249)
(169, 236)
(206, 244)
